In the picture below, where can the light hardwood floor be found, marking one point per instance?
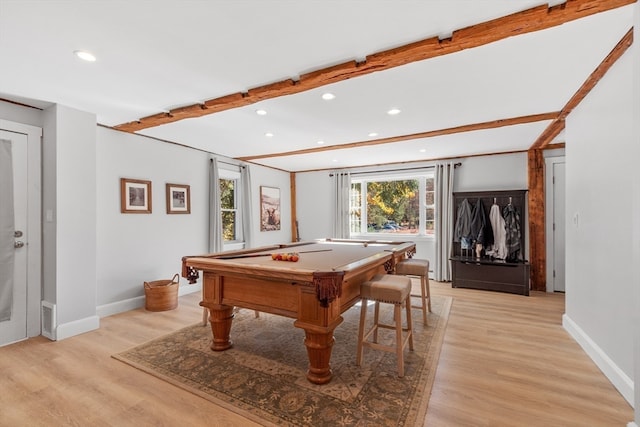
(506, 361)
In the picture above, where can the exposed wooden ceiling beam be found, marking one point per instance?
(557, 125)
(530, 20)
(448, 131)
(545, 138)
(555, 145)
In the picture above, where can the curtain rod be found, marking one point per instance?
(227, 163)
(396, 170)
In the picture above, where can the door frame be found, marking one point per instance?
(34, 221)
(549, 162)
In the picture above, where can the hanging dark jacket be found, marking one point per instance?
(481, 230)
(512, 228)
(463, 222)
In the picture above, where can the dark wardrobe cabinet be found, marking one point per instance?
(485, 272)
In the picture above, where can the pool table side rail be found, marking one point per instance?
(280, 271)
(217, 264)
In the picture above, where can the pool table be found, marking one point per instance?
(315, 290)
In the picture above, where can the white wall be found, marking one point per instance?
(261, 176)
(601, 156)
(69, 231)
(636, 208)
(20, 114)
(488, 173)
(314, 205)
(314, 193)
(134, 248)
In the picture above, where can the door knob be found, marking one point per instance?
(18, 244)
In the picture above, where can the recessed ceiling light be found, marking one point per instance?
(393, 112)
(372, 134)
(86, 56)
(320, 142)
(423, 150)
(328, 96)
(268, 134)
(261, 112)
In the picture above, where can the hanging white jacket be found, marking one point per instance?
(499, 247)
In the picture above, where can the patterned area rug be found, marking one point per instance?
(263, 376)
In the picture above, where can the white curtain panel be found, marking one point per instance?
(247, 197)
(444, 220)
(7, 229)
(215, 212)
(341, 186)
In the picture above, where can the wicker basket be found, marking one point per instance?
(162, 295)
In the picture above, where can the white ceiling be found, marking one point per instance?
(157, 55)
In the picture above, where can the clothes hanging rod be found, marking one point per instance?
(395, 170)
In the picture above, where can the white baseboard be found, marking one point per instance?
(67, 330)
(77, 327)
(618, 378)
(189, 289)
(120, 306)
(138, 302)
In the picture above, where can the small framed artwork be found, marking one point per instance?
(135, 196)
(269, 209)
(178, 199)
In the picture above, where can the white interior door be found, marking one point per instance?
(15, 329)
(559, 227)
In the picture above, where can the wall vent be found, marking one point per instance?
(48, 320)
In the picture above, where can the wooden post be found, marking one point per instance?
(537, 248)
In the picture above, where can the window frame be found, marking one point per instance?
(421, 176)
(235, 176)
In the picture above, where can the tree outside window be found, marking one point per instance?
(229, 208)
(430, 206)
(398, 205)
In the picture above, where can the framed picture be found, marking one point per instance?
(135, 196)
(269, 209)
(178, 199)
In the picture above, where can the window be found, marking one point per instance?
(229, 209)
(393, 204)
(430, 206)
(229, 204)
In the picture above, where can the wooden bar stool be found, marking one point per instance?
(419, 268)
(389, 289)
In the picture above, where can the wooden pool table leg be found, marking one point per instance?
(221, 317)
(319, 342)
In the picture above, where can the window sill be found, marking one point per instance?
(233, 246)
(395, 236)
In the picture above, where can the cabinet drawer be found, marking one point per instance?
(513, 278)
(494, 273)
